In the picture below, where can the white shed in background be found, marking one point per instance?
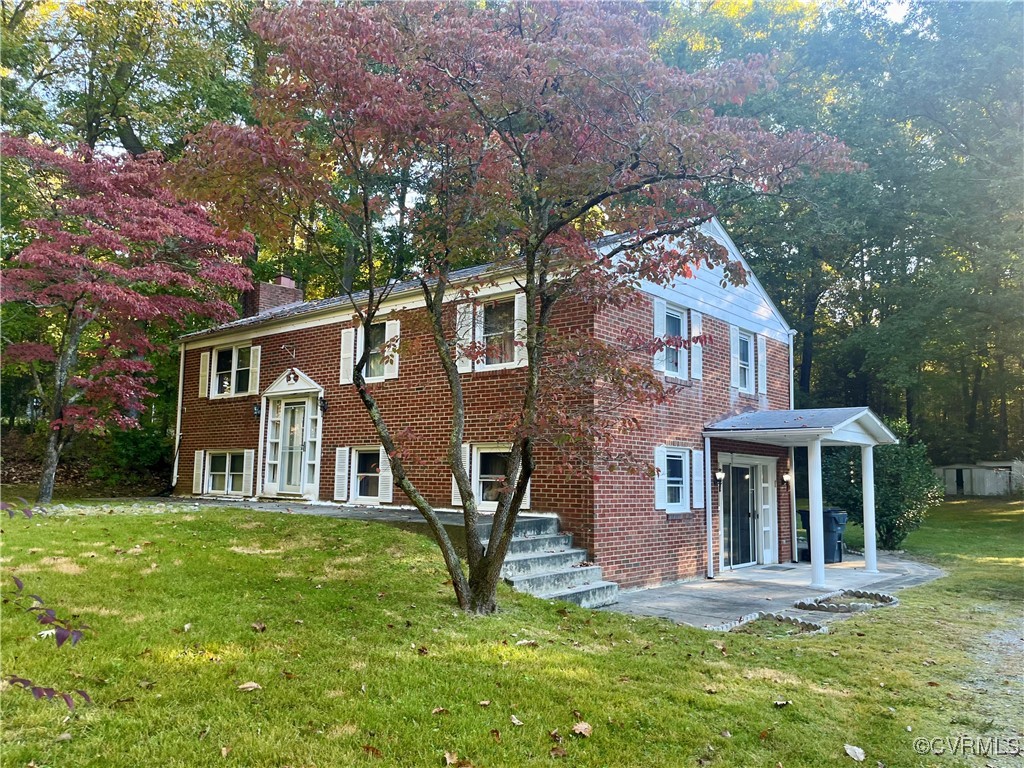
(983, 478)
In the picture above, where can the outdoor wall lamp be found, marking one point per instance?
(256, 410)
(719, 477)
(786, 478)
(323, 405)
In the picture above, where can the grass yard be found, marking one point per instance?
(364, 661)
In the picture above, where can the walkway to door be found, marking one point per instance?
(773, 588)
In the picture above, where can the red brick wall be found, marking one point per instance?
(634, 543)
(611, 513)
(416, 405)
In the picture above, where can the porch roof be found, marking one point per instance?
(833, 426)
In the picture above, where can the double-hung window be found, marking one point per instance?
(672, 478)
(375, 338)
(492, 334)
(231, 371)
(498, 337)
(670, 327)
(367, 469)
(746, 361)
(487, 465)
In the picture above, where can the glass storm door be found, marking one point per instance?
(738, 517)
(294, 447)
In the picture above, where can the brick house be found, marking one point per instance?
(266, 409)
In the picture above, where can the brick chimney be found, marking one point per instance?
(264, 296)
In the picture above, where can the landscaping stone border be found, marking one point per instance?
(806, 627)
(878, 600)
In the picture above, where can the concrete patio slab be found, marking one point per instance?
(732, 594)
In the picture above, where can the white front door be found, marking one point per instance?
(293, 447)
(766, 514)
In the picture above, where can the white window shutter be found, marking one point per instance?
(204, 374)
(661, 478)
(341, 474)
(386, 481)
(248, 462)
(254, 371)
(734, 355)
(659, 333)
(696, 350)
(762, 365)
(392, 333)
(463, 336)
(698, 479)
(348, 336)
(197, 470)
(456, 496)
(519, 327)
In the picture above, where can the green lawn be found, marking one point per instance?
(365, 661)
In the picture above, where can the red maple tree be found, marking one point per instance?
(113, 256)
(514, 133)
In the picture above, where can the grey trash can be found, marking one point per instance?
(835, 524)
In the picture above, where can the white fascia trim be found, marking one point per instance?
(344, 314)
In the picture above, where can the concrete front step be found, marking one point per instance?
(543, 543)
(526, 526)
(546, 582)
(593, 595)
(528, 563)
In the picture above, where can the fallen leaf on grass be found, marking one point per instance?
(452, 758)
(288, 675)
(439, 711)
(485, 703)
(555, 735)
(259, 626)
(725, 735)
(711, 690)
(372, 750)
(422, 650)
(186, 628)
(516, 721)
(780, 704)
(145, 684)
(496, 735)
(855, 752)
(203, 733)
(529, 643)
(558, 751)
(583, 729)
(64, 737)
(250, 686)
(225, 751)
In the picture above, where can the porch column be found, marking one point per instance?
(816, 521)
(867, 475)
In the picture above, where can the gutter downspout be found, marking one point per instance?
(177, 424)
(792, 398)
(708, 480)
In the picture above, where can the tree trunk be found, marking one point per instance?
(51, 459)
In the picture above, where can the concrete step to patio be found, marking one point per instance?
(526, 526)
(541, 561)
(593, 595)
(553, 582)
(528, 563)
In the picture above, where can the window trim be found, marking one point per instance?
(750, 337)
(469, 334)
(662, 454)
(213, 373)
(208, 480)
(355, 452)
(662, 310)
